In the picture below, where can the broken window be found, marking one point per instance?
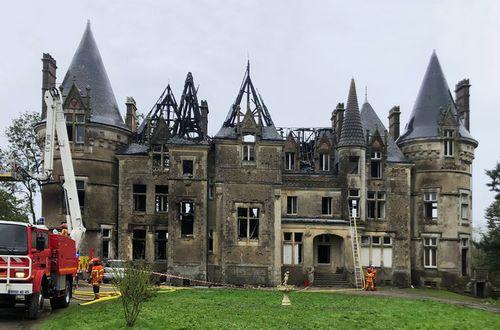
(430, 252)
(448, 143)
(80, 189)
(353, 165)
(187, 218)
(139, 244)
(430, 206)
(292, 248)
(291, 205)
(139, 194)
(161, 198)
(376, 165)
(161, 240)
(353, 198)
(324, 162)
(248, 223)
(375, 205)
(289, 161)
(326, 205)
(161, 158)
(187, 168)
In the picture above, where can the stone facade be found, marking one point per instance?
(254, 200)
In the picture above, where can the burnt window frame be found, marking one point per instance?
(161, 199)
(376, 164)
(140, 241)
(430, 201)
(160, 158)
(328, 202)
(354, 197)
(159, 241)
(248, 221)
(377, 201)
(185, 168)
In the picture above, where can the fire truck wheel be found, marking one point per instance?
(34, 305)
(62, 301)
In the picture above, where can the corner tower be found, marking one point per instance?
(442, 149)
(95, 130)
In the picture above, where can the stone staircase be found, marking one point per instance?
(331, 280)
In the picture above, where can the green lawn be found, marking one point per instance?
(445, 294)
(222, 309)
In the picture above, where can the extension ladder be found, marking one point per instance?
(359, 280)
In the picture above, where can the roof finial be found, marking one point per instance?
(248, 63)
(366, 94)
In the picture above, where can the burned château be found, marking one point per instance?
(255, 200)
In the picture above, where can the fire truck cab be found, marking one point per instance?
(35, 264)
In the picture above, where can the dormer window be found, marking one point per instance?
(376, 165)
(248, 154)
(324, 162)
(187, 168)
(289, 161)
(448, 143)
(75, 126)
(161, 158)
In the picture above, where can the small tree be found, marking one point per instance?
(23, 150)
(490, 241)
(135, 287)
(11, 208)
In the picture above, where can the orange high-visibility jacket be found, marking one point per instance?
(97, 275)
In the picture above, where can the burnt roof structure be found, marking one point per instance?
(163, 116)
(434, 97)
(248, 101)
(188, 126)
(88, 74)
(352, 134)
(372, 123)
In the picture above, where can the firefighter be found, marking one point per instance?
(64, 229)
(374, 272)
(96, 276)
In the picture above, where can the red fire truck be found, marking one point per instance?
(36, 263)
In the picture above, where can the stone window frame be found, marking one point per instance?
(247, 240)
(297, 249)
(379, 199)
(367, 241)
(427, 198)
(292, 205)
(354, 197)
(430, 242)
(108, 239)
(185, 216)
(135, 196)
(324, 162)
(164, 158)
(376, 158)
(81, 202)
(139, 239)
(289, 161)
(448, 142)
(464, 244)
(248, 148)
(74, 124)
(191, 159)
(329, 204)
(161, 200)
(464, 193)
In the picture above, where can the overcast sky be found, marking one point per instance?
(302, 53)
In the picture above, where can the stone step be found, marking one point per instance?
(331, 280)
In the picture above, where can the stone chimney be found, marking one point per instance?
(339, 118)
(204, 117)
(394, 114)
(49, 68)
(131, 118)
(462, 101)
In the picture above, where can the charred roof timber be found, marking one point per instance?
(254, 103)
(161, 122)
(190, 126)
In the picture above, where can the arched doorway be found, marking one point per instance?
(328, 253)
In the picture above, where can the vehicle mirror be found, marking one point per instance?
(40, 243)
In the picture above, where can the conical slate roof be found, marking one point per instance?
(87, 71)
(372, 123)
(352, 130)
(433, 96)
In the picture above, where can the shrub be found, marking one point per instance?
(135, 287)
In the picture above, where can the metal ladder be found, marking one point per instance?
(359, 279)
